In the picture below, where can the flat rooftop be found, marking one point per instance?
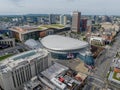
(57, 42)
(21, 59)
(112, 77)
(54, 70)
(62, 77)
(23, 55)
(96, 38)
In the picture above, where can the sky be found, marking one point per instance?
(86, 7)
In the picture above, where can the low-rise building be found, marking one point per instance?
(114, 75)
(110, 26)
(33, 84)
(23, 33)
(62, 78)
(8, 41)
(97, 41)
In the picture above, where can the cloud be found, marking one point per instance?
(60, 6)
(18, 3)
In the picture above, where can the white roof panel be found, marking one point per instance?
(57, 42)
(31, 43)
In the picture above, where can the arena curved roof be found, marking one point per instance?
(61, 43)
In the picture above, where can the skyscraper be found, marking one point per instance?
(83, 25)
(76, 21)
(63, 19)
(52, 19)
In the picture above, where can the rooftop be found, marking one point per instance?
(27, 28)
(54, 70)
(116, 62)
(33, 44)
(23, 29)
(112, 77)
(21, 59)
(58, 26)
(96, 38)
(57, 42)
(63, 78)
(24, 55)
(116, 76)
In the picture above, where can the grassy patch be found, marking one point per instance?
(5, 56)
(115, 76)
(47, 26)
(57, 25)
(53, 26)
(41, 27)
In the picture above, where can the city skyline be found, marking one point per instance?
(88, 7)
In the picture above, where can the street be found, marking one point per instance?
(98, 75)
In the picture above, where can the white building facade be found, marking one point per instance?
(19, 69)
(97, 41)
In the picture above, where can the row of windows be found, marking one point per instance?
(21, 75)
(34, 35)
(64, 56)
(24, 74)
(40, 65)
(7, 42)
(87, 59)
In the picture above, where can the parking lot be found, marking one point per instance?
(75, 64)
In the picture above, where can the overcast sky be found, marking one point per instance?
(104, 7)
